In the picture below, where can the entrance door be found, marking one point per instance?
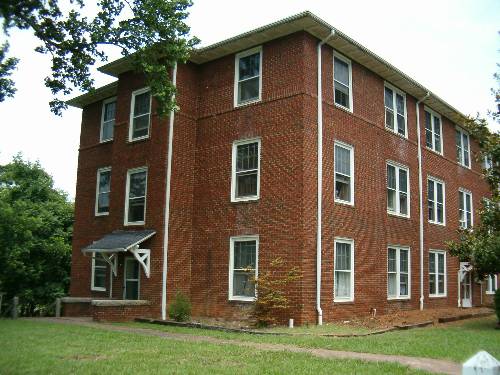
(467, 290)
(131, 283)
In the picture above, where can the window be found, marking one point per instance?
(245, 181)
(463, 147)
(397, 190)
(102, 191)
(465, 209)
(487, 162)
(140, 114)
(437, 273)
(398, 272)
(342, 81)
(435, 199)
(108, 119)
(248, 77)
(99, 269)
(492, 281)
(243, 261)
(344, 270)
(395, 110)
(135, 204)
(433, 131)
(344, 168)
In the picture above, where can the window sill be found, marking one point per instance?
(390, 213)
(102, 214)
(344, 301)
(490, 293)
(404, 299)
(436, 223)
(348, 110)
(464, 166)
(434, 151)
(134, 140)
(105, 141)
(245, 200)
(437, 296)
(344, 203)
(396, 133)
(135, 223)
(250, 102)
(98, 289)
(242, 299)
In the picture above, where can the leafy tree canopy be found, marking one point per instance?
(155, 36)
(35, 236)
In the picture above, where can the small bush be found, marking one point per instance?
(180, 309)
(497, 304)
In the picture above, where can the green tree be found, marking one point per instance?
(481, 245)
(155, 36)
(35, 236)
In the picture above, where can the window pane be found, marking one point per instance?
(107, 130)
(243, 283)
(439, 192)
(343, 258)
(342, 160)
(246, 184)
(132, 269)
(342, 284)
(136, 209)
(440, 262)
(468, 202)
(342, 188)
(249, 66)
(461, 200)
(109, 111)
(141, 126)
(392, 285)
(388, 99)
(244, 255)
(389, 119)
(341, 94)
(432, 263)
(104, 181)
(131, 290)
(400, 105)
(391, 177)
(432, 284)
(141, 104)
(403, 261)
(391, 200)
(403, 285)
(341, 72)
(103, 203)
(391, 260)
(458, 141)
(248, 90)
(428, 130)
(401, 125)
(403, 180)
(439, 213)
(247, 157)
(441, 284)
(137, 184)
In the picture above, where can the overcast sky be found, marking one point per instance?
(449, 46)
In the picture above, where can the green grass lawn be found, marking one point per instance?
(457, 341)
(30, 347)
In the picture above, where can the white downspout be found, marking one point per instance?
(320, 182)
(421, 204)
(167, 203)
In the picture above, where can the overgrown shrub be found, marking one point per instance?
(180, 309)
(497, 304)
(270, 286)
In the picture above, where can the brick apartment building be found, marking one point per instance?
(203, 200)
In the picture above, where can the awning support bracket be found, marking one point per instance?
(143, 257)
(112, 260)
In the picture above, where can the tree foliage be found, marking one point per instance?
(155, 36)
(35, 236)
(481, 245)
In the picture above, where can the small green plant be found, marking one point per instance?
(496, 303)
(180, 309)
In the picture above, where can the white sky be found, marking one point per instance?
(449, 46)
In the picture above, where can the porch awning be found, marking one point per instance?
(119, 241)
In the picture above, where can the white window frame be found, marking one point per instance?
(465, 193)
(104, 102)
(99, 172)
(237, 58)
(436, 180)
(233, 170)
(337, 55)
(398, 208)
(490, 281)
(132, 115)
(127, 192)
(461, 159)
(398, 295)
(92, 280)
(351, 150)
(349, 241)
(232, 241)
(395, 112)
(433, 127)
(437, 294)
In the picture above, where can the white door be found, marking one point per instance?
(131, 282)
(467, 290)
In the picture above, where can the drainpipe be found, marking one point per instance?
(421, 204)
(320, 182)
(167, 203)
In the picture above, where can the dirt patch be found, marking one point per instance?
(401, 318)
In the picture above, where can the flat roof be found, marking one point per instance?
(305, 21)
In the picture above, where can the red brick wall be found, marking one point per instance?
(203, 219)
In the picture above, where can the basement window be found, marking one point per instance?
(248, 77)
(398, 272)
(243, 260)
(135, 203)
(140, 114)
(342, 81)
(437, 273)
(245, 181)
